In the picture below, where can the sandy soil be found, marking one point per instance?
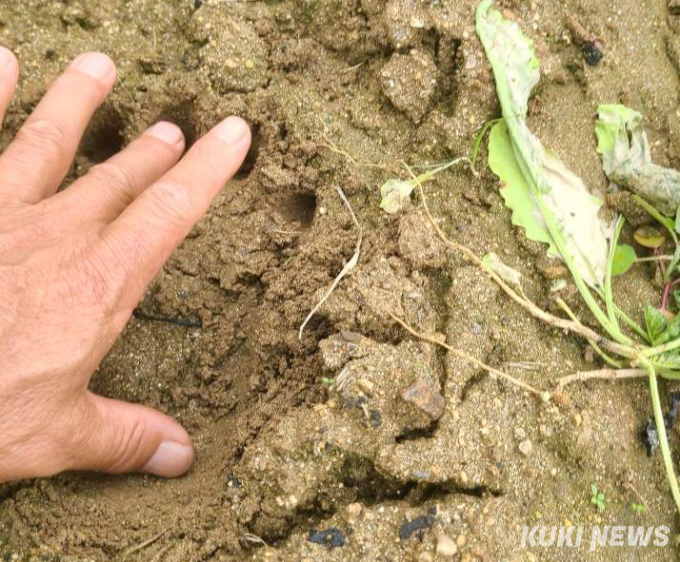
(411, 446)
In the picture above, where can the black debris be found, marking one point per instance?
(592, 52)
(331, 538)
(198, 4)
(650, 437)
(375, 419)
(233, 481)
(184, 322)
(417, 525)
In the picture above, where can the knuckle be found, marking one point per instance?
(106, 445)
(46, 136)
(121, 180)
(95, 282)
(171, 204)
(124, 443)
(119, 258)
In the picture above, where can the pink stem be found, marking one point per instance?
(666, 293)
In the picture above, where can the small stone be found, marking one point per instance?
(520, 434)
(323, 210)
(426, 397)
(353, 511)
(470, 62)
(250, 64)
(461, 540)
(230, 63)
(365, 386)
(578, 419)
(589, 355)
(445, 546)
(525, 447)
(425, 557)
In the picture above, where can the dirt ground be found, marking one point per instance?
(357, 442)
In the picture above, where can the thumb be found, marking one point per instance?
(121, 437)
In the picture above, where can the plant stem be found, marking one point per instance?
(666, 293)
(654, 258)
(613, 362)
(612, 329)
(632, 324)
(608, 295)
(651, 351)
(664, 221)
(661, 431)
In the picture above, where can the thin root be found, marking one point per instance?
(462, 354)
(349, 266)
(602, 374)
(143, 545)
(523, 301)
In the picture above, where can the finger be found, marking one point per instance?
(35, 164)
(9, 74)
(118, 437)
(108, 188)
(144, 236)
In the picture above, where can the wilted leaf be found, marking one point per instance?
(627, 160)
(395, 193)
(624, 258)
(505, 272)
(649, 237)
(538, 187)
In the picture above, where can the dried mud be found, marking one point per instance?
(336, 92)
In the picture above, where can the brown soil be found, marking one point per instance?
(407, 430)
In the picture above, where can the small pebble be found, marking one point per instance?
(461, 540)
(445, 546)
(353, 511)
(525, 447)
(425, 557)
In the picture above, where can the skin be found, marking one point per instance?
(74, 264)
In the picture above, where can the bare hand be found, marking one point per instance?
(73, 266)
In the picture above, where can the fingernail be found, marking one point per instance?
(232, 130)
(6, 58)
(171, 459)
(97, 65)
(167, 132)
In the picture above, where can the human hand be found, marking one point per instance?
(73, 266)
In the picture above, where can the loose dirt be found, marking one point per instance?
(358, 442)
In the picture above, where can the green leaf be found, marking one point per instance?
(624, 258)
(676, 298)
(593, 490)
(656, 324)
(516, 191)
